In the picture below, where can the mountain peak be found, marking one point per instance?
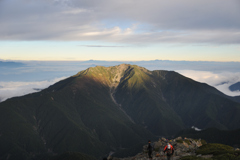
(112, 75)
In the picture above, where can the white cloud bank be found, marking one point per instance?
(15, 89)
(221, 81)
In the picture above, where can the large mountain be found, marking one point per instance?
(104, 109)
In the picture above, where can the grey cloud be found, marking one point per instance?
(100, 46)
(185, 21)
(40, 20)
(191, 36)
(175, 14)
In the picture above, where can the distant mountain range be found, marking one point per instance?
(11, 64)
(103, 109)
(235, 87)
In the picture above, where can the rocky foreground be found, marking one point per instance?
(184, 147)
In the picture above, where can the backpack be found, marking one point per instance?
(169, 151)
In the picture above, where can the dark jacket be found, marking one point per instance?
(150, 147)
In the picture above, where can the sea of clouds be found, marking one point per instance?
(221, 80)
(35, 76)
(15, 89)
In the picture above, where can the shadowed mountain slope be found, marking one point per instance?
(237, 99)
(104, 109)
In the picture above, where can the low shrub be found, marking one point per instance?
(226, 156)
(179, 141)
(203, 142)
(194, 158)
(187, 141)
(156, 149)
(215, 149)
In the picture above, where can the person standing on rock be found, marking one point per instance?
(150, 149)
(170, 150)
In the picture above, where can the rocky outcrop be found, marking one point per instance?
(182, 146)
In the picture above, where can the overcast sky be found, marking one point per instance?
(205, 30)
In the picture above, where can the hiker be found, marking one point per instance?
(170, 150)
(149, 148)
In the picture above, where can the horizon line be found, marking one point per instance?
(9, 60)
